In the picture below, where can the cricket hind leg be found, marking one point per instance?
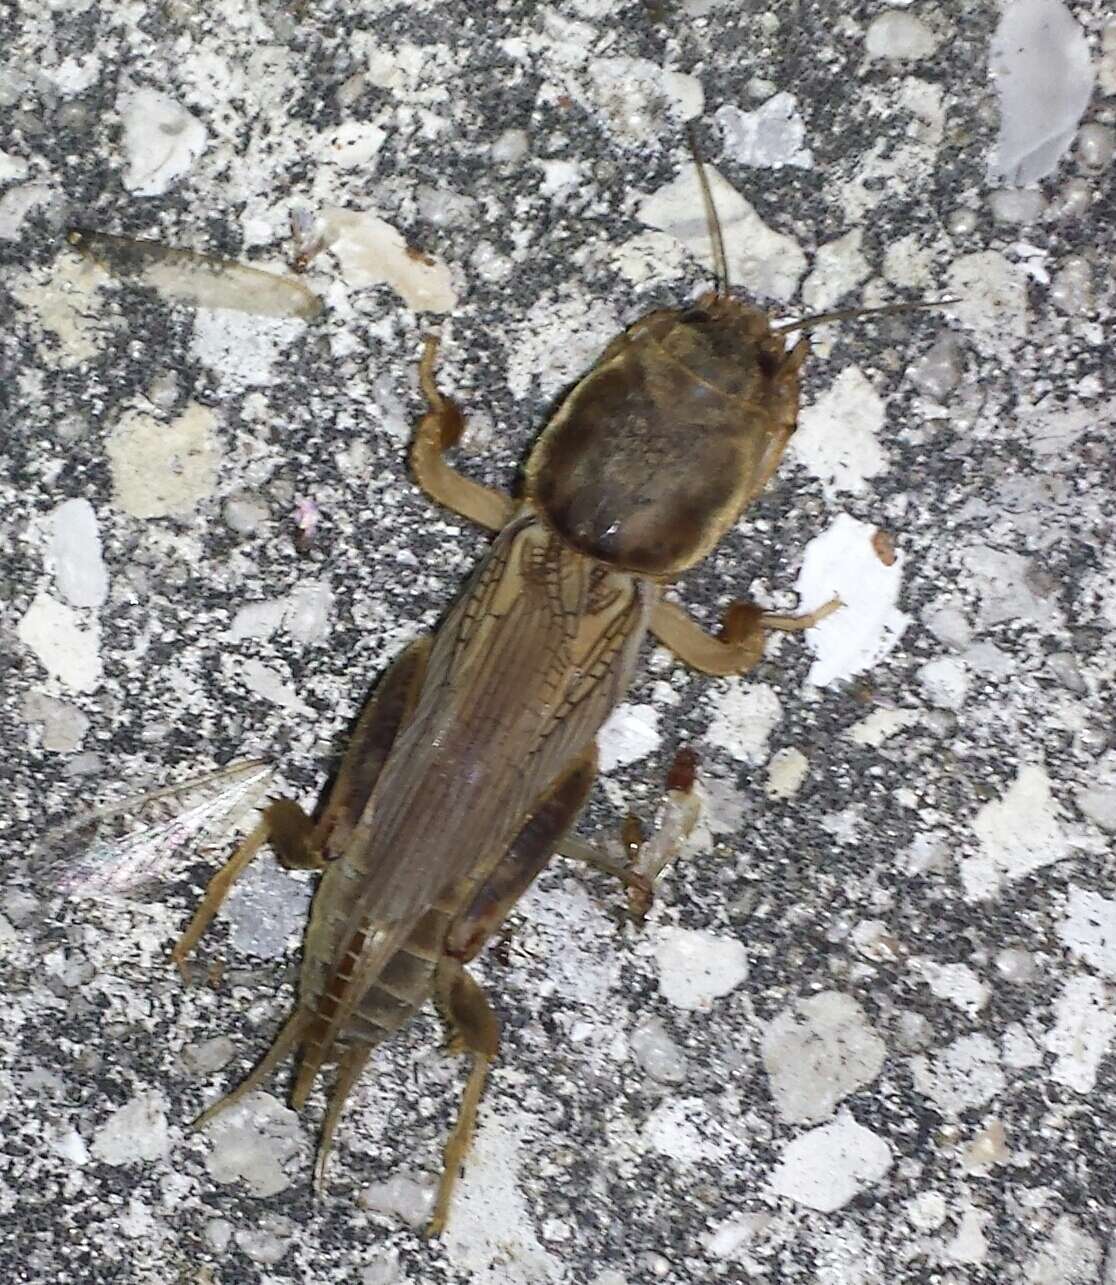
(300, 842)
(474, 1029)
(473, 1025)
(288, 1039)
(439, 429)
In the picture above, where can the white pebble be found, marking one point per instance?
(1095, 146)
(773, 135)
(630, 734)
(307, 613)
(1020, 205)
(510, 147)
(830, 1166)
(655, 1051)
(1072, 201)
(244, 513)
(785, 773)
(817, 1052)
(1089, 929)
(401, 1195)
(963, 222)
(944, 682)
(74, 551)
(893, 34)
(1071, 291)
(746, 714)
(161, 141)
(65, 650)
(963, 1075)
(135, 1132)
(218, 1231)
(1040, 62)
(696, 967)
(838, 438)
(1017, 965)
(1084, 1024)
(252, 1142)
(927, 1210)
(267, 1244)
(383, 1270)
(938, 371)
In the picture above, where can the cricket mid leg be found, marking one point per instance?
(438, 430)
(287, 828)
(739, 645)
(474, 1029)
(300, 842)
(217, 890)
(646, 857)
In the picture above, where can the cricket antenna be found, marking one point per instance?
(720, 259)
(883, 310)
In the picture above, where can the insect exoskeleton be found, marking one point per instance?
(654, 454)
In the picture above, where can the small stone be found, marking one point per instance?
(74, 553)
(252, 1142)
(1071, 291)
(402, 1196)
(1020, 205)
(657, 1054)
(160, 469)
(898, 35)
(511, 147)
(963, 222)
(245, 513)
(817, 1052)
(1095, 146)
(161, 141)
(134, 1133)
(268, 1243)
(963, 1075)
(938, 371)
(697, 967)
(218, 1231)
(944, 682)
(1084, 1025)
(1017, 965)
(1040, 62)
(208, 1056)
(830, 1166)
(786, 773)
(65, 650)
(1019, 834)
(771, 136)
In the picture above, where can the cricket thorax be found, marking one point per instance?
(653, 454)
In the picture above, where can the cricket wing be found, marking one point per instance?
(527, 667)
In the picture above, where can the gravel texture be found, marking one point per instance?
(866, 1034)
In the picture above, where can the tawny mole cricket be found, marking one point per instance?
(474, 756)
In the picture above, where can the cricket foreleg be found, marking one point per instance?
(438, 430)
(474, 1029)
(739, 646)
